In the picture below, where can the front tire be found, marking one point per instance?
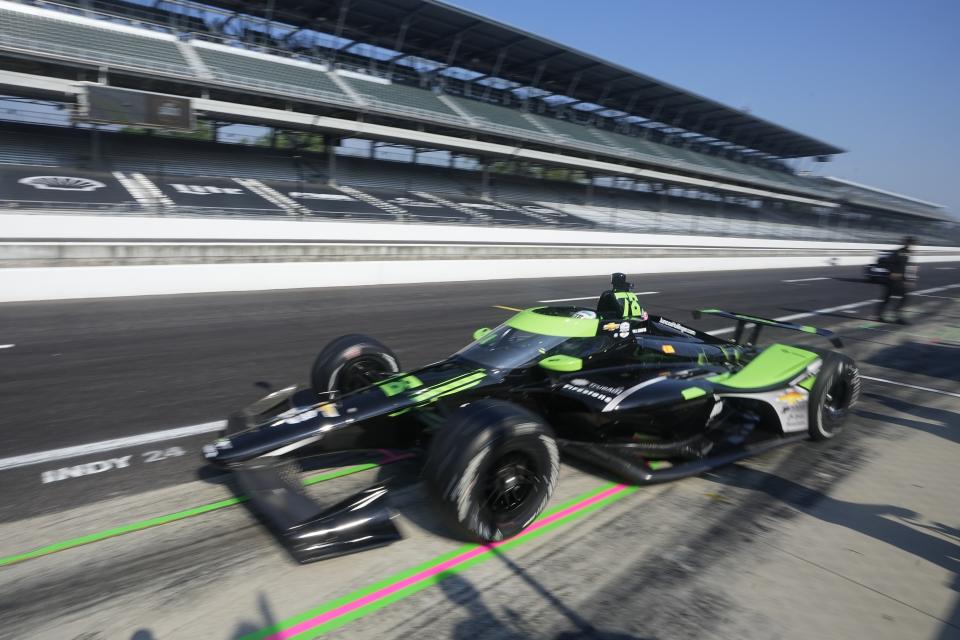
(492, 469)
(352, 362)
(834, 393)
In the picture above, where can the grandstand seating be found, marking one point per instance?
(574, 134)
(165, 159)
(89, 40)
(401, 98)
(499, 118)
(81, 38)
(259, 72)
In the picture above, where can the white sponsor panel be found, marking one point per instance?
(313, 195)
(205, 190)
(62, 183)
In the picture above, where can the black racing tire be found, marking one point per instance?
(835, 392)
(491, 469)
(352, 362)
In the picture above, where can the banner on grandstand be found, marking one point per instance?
(100, 103)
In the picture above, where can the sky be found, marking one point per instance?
(880, 78)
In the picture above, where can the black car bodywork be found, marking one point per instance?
(647, 398)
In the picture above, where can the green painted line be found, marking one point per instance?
(409, 591)
(166, 519)
(406, 573)
(278, 628)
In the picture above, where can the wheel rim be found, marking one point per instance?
(511, 483)
(362, 372)
(835, 400)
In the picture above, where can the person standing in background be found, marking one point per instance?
(902, 277)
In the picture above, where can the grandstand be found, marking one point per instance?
(486, 124)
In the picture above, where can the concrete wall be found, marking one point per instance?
(375, 254)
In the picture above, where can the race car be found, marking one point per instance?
(646, 398)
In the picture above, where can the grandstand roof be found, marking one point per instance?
(438, 31)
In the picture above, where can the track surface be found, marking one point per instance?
(738, 553)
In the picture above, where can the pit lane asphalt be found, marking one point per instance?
(852, 538)
(91, 370)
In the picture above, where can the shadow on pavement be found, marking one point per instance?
(873, 520)
(461, 592)
(246, 627)
(933, 360)
(943, 422)
(483, 621)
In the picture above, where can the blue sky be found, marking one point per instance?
(880, 78)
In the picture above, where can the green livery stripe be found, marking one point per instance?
(166, 519)
(807, 383)
(775, 364)
(532, 322)
(692, 392)
(453, 386)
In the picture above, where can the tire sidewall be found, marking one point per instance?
(822, 424)
(458, 468)
(337, 354)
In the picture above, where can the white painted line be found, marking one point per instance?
(110, 445)
(844, 307)
(7, 346)
(797, 316)
(913, 386)
(945, 268)
(927, 295)
(639, 293)
(806, 280)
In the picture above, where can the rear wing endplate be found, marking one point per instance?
(758, 323)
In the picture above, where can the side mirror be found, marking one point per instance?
(479, 333)
(563, 364)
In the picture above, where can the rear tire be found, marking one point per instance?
(492, 469)
(834, 393)
(352, 362)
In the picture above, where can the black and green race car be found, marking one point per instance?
(643, 397)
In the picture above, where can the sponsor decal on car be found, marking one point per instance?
(611, 326)
(792, 407)
(679, 327)
(668, 348)
(587, 391)
(329, 410)
(792, 397)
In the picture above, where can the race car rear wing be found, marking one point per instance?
(758, 323)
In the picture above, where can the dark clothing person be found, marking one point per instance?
(897, 285)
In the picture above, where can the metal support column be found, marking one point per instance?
(484, 179)
(331, 148)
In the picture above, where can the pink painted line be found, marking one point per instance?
(439, 568)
